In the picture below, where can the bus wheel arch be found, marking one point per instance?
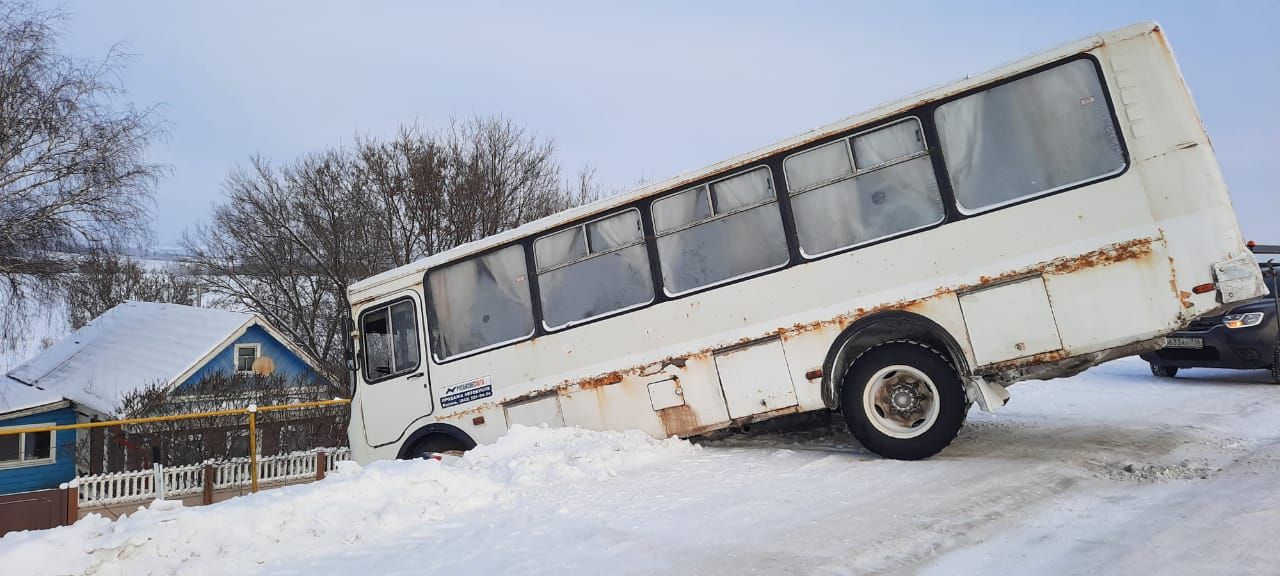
(880, 328)
(435, 437)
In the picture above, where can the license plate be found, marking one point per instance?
(1183, 343)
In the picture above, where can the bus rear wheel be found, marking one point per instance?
(903, 400)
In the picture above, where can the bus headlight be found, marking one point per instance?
(1242, 320)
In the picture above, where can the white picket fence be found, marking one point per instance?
(179, 481)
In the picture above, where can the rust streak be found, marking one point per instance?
(1041, 358)
(1119, 252)
(1183, 295)
(600, 381)
(678, 420)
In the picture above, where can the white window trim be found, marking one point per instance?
(257, 353)
(22, 445)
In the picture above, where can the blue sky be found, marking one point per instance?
(642, 90)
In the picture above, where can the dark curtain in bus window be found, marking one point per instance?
(602, 283)
(1029, 136)
(377, 344)
(726, 246)
(480, 302)
(873, 205)
(404, 326)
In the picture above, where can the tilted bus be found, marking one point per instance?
(896, 266)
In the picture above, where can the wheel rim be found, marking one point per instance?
(901, 401)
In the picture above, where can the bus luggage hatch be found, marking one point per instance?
(1011, 320)
(755, 379)
(544, 410)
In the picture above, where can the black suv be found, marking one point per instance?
(1246, 337)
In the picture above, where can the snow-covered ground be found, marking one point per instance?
(1109, 472)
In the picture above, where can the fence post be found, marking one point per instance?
(210, 476)
(253, 448)
(320, 465)
(73, 502)
(157, 481)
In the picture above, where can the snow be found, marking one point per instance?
(126, 348)
(1111, 471)
(15, 396)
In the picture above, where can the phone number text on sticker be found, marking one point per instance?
(469, 391)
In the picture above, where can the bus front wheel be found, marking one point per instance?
(437, 444)
(903, 400)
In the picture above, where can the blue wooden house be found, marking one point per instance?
(132, 346)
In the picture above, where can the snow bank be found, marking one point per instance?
(377, 504)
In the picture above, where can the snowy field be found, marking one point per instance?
(1110, 472)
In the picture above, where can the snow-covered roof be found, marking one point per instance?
(125, 349)
(887, 109)
(15, 396)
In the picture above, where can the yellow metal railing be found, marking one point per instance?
(251, 411)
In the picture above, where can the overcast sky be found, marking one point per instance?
(637, 91)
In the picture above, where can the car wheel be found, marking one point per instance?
(903, 400)
(1275, 366)
(1163, 371)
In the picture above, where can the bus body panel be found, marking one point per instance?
(1116, 261)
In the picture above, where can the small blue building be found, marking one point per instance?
(130, 347)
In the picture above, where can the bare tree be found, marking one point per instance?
(105, 279)
(72, 172)
(289, 240)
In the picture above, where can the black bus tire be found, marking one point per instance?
(903, 400)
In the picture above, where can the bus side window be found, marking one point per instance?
(390, 340)
(1029, 137)
(880, 186)
(713, 234)
(480, 302)
(593, 269)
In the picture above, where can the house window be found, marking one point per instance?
(29, 449)
(246, 354)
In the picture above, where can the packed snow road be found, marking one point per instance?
(1112, 471)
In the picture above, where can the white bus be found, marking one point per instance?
(896, 266)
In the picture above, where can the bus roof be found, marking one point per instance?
(887, 109)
